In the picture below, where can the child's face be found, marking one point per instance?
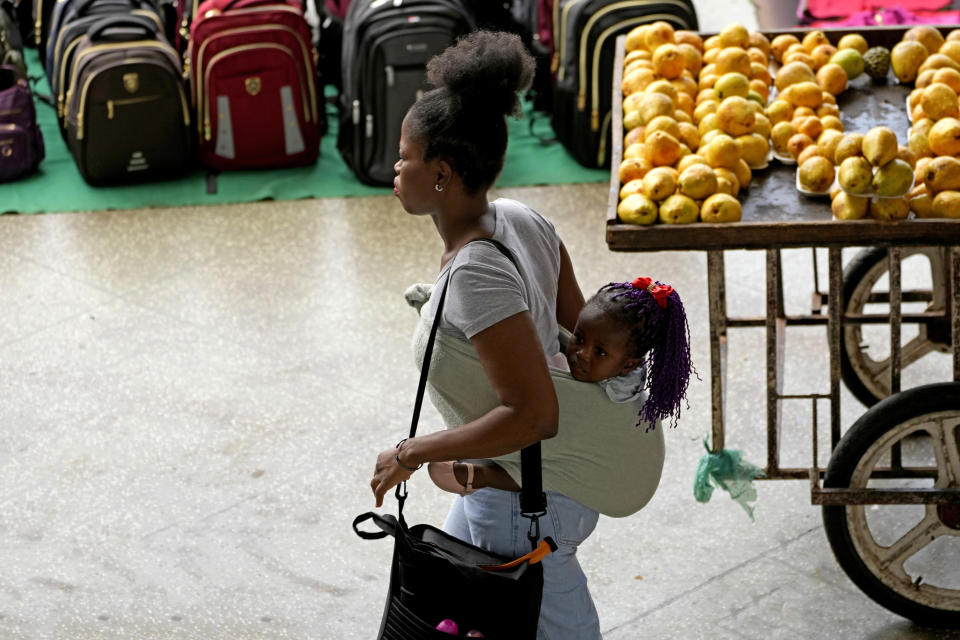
(600, 347)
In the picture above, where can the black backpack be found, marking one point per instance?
(127, 117)
(386, 46)
(585, 34)
(69, 23)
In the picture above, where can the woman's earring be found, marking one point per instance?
(438, 187)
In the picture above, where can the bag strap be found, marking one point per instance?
(533, 501)
(122, 27)
(387, 523)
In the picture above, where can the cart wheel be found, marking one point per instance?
(904, 556)
(865, 350)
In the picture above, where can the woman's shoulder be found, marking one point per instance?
(520, 211)
(482, 257)
(513, 215)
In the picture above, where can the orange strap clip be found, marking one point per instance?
(545, 548)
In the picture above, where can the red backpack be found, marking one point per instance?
(253, 84)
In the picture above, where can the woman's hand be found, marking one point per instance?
(387, 474)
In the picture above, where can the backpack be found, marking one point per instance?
(329, 40)
(42, 10)
(532, 20)
(515, 16)
(585, 33)
(542, 49)
(11, 44)
(21, 143)
(252, 64)
(69, 23)
(127, 117)
(386, 46)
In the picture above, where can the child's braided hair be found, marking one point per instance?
(654, 314)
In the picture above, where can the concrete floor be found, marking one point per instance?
(193, 399)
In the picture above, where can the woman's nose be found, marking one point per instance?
(396, 167)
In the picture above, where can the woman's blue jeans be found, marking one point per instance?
(490, 519)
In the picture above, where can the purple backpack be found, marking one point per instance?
(21, 143)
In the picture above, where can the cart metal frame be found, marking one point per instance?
(814, 231)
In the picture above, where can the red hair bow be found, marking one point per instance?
(660, 293)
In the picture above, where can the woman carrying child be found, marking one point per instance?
(632, 339)
(452, 147)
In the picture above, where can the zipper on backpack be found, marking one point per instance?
(113, 104)
(263, 27)
(652, 17)
(81, 107)
(38, 24)
(62, 90)
(559, 47)
(557, 37)
(61, 33)
(204, 104)
(150, 44)
(11, 112)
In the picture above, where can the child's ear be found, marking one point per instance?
(630, 365)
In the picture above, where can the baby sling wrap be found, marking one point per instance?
(598, 457)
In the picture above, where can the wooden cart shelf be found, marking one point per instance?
(781, 235)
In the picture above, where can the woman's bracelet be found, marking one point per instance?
(397, 458)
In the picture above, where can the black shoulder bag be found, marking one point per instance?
(435, 576)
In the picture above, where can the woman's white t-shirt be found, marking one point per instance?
(485, 287)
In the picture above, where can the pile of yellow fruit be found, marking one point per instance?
(806, 120)
(937, 190)
(734, 85)
(923, 49)
(694, 122)
(701, 115)
(932, 63)
(874, 177)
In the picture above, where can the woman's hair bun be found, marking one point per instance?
(485, 69)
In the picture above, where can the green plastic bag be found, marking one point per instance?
(728, 470)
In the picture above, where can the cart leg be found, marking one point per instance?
(775, 324)
(718, 343)
(954, 297)
(896, 311)
(834, 328)
(893, 255)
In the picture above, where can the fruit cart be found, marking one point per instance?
(890, 494)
